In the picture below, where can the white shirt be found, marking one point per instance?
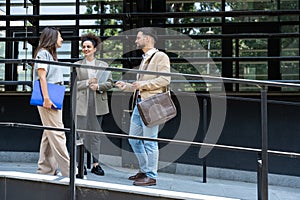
(91, 72)
(147, 55)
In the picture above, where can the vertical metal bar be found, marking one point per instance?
(80, 157)
(75, 54)
(204, 134)
(25, 47)
(259, 177)
(264, 152)
(8, 72)
(88, 160)
(73, 91)
(237, 64)
(299, 42)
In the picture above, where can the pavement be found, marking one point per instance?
(214, 188)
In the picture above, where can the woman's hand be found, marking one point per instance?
(94, 86)
(48, 103)
(43, 81)
(92, 81)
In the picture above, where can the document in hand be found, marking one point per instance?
(103, 76)
(56, 94)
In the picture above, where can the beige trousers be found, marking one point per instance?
(53, 149)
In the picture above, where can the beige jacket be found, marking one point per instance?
(100, 97)
(153, 84)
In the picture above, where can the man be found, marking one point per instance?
(146, 86)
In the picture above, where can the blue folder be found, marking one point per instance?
(56, 94)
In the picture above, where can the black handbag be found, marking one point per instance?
(157, 109)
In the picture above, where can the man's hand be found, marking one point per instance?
(136, 85)
(121, 85)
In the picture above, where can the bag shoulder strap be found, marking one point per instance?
(150, 59)
(135, 92)
(167, 89)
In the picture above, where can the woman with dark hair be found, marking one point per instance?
(92, 102)
(53, 150)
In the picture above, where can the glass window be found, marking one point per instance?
(24, 72)
(193, 27)
(2, 50)
(290, 47)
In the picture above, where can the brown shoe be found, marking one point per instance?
(139, 175)
(145, 182)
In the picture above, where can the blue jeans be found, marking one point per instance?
(145, 151)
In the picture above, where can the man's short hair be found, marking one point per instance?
(148, 31)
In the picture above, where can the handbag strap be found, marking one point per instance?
(135, 93)
(150, 60)
(167, 88)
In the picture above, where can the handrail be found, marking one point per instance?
(220, 79)
(172, 81)
(205, 36)
(29, 83)
(184, 60)
(165, 140)
(152, 15)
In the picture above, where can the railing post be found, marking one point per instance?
(259, 177)
(204, 134)
(80, 156)
(73, 91)
(88, 160)
(263, 175)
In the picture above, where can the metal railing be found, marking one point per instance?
(263, 152)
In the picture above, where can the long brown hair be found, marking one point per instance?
(48, 40)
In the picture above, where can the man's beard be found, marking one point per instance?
(140, 46)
